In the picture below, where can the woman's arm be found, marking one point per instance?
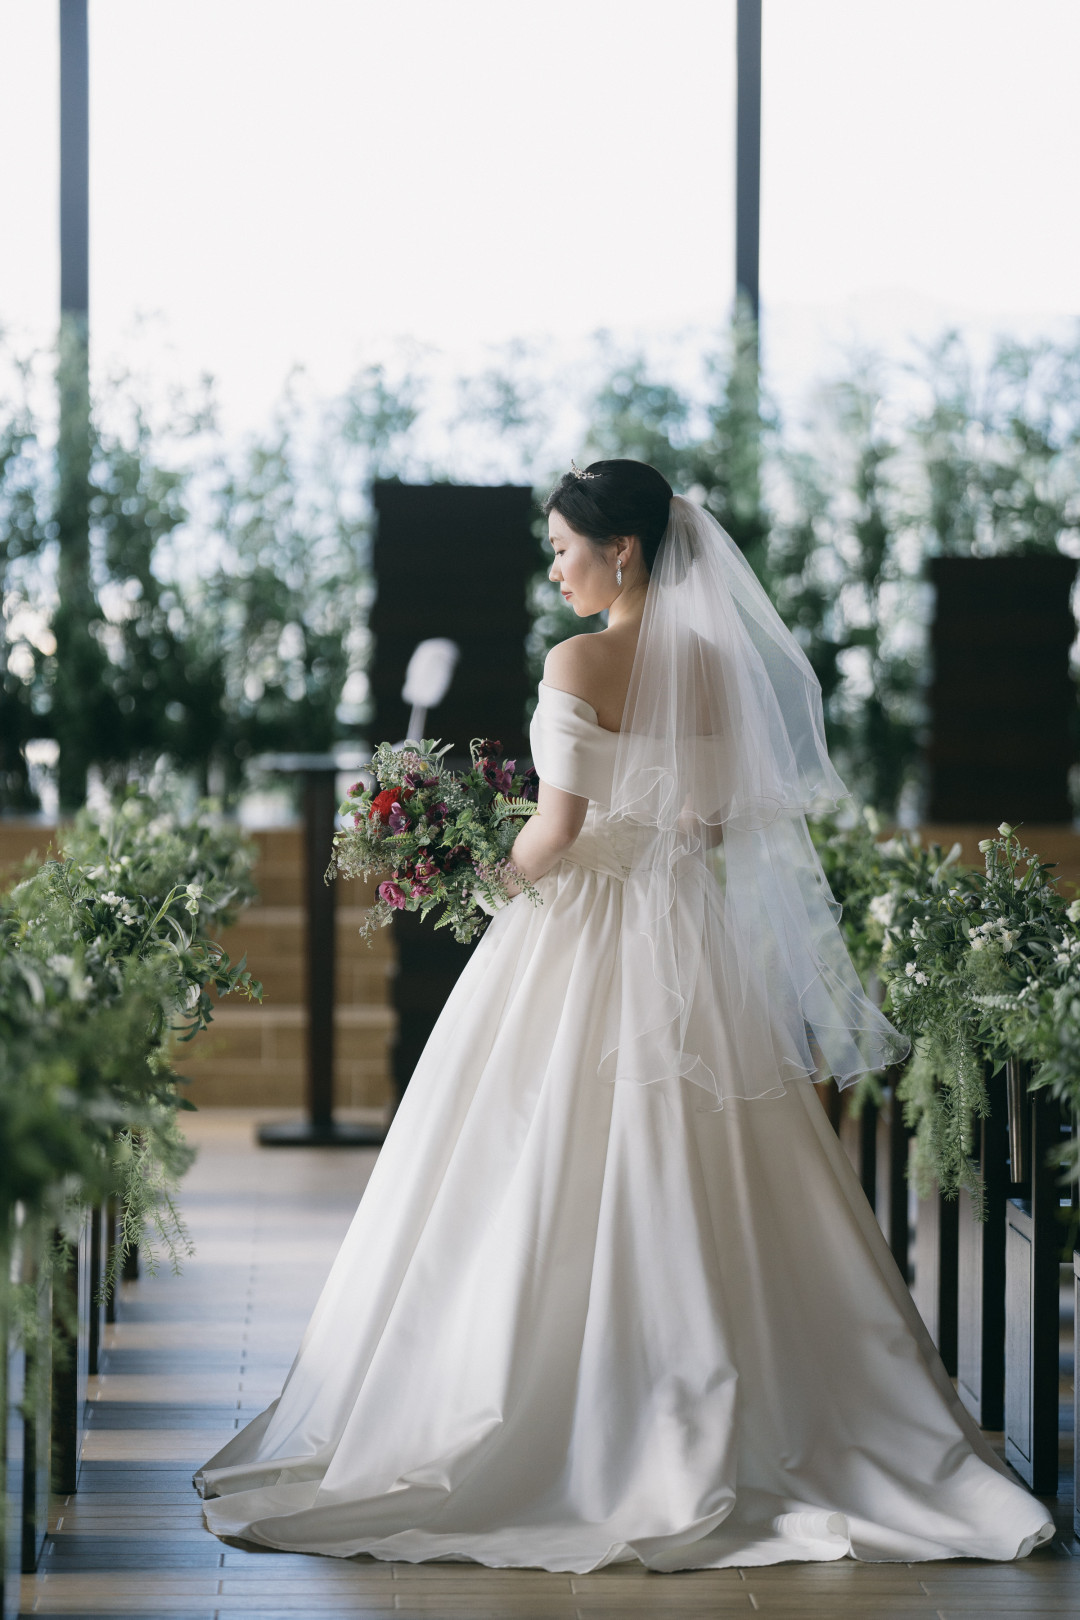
(548, 834)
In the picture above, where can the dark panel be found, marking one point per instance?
(980, 1347)
(936, 1238)
(1032, 1244)
(891, 1184)
(1002, 701)
(453, 560)
(71, 1306)
(449, 560)
(1017, 1338)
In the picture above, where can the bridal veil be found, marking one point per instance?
(733, 971)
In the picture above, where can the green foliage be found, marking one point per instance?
(166, 599)
(105, 961)
(977, 967)
(22, 537)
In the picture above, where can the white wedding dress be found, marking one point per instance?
(578, 1322)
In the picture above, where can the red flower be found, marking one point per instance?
(383, 803)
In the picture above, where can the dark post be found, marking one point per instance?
(1032, 1252)
(981, 1308)
(320, 1129)
(319, 812)
(78, 655)
(748, 153)
(74, 160)
(937, 1234)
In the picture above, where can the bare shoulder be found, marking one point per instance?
(572, 665)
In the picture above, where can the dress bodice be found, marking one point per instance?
(570, 748)
(572, 751)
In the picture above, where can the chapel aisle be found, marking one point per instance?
(193, 1357)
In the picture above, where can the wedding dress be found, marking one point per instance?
(580, 1320)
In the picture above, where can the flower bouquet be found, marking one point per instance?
(436, 837)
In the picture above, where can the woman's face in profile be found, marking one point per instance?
(582, 569)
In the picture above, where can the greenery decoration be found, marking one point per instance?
(976, 966)
(105, 960)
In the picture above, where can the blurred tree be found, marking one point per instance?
(842, 582)
(80, 699)
(162, 687)
(23, 531)
(715, 448)
(999, 454)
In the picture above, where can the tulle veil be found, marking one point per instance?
(733, 971)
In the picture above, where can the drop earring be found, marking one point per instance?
(618, 572)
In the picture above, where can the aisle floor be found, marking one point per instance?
(193, 1357)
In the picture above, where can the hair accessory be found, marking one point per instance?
(579, 472)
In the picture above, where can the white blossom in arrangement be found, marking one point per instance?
(985, 845)
(883, 908)
(1062, 959)
(191, 1000)
(1004, 831)
(1008, 938)
(909, 969)
(110, 898)
(978, 942)
(1073, 912)
(920, 978)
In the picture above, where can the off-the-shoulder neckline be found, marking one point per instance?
(572, 696)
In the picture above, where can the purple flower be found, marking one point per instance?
(393, 895)
(499, 777)
(399, 821)
(530, 784)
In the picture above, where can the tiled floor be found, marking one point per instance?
(194, 1356)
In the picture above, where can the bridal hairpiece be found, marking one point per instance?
(579, 472)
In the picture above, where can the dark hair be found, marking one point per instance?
(616, 498)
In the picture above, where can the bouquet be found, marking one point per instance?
(437, 837)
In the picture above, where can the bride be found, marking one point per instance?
(613, 1292)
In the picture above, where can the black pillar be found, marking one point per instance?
(320, 1129)
(748, 153)
(74, 159)
(78, 656)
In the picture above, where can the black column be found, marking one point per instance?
(748, 153)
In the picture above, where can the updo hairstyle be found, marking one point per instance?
(615, 499)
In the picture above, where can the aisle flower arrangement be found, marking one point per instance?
(435, 837)
(106, 960)
(975, 966)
